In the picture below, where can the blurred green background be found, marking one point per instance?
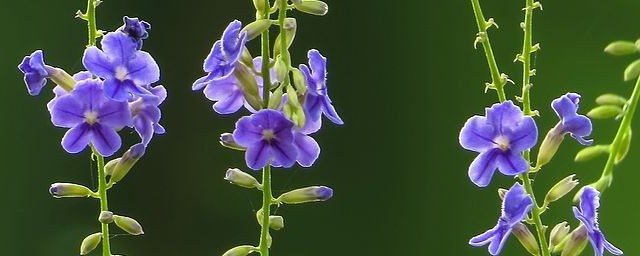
(403, 75)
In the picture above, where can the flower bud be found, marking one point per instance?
(281, 69)
(549, 146)
(632, 71)
(312, 7)
(293, 109)
(275, 222)
(128, 160)
(90, 243)
(129, 225)
(256, 28)
(621, 48)
(242, 179)
(249, 86)
(501, 193)
(604, 112)
(526, 238)
(227, 141)
(306, 195)
(242, 250)
(558, 233)
(260, 5)
(110, 166)
(611, 99)
(275, 102)
(591, 152)
(575, 243)
(105, 217)
(246, 58)
(61, 78)
(290, 29)
(625, 143)
(60, 190)
(299, 81)
(560, 189)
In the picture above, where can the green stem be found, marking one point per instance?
(267, 200)
(266, 60)
(497, 81)
(102, 192)
(625, 125)
(91, 22)
(535, 214)
(526, 58)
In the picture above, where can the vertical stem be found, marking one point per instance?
(102, 192)
(497, 80)
(266, 79)
(535, 213)
(267, 199)
(91, 22)
(526, 58)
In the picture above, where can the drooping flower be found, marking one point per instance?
(92, 117)
(317, 100)
(308, 148)
(124, 68)
(500, 137)
(146, 114)
(136, 29)
(224, 55)
(35, 72)
(515, 207)
(268, 137)
(588, 215)
(578, 126)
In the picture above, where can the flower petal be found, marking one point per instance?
(330, 111)
(499, 239)
(105, 139)
(284, 154)
(477, 135)
(579, 127)
(566, 106)
(517, 204)
(611, 248)
(308, 149)
(76, 138)
(313, 106)
(511, 163)
(143, 69)
(115, 114)
(119, 47)
(246, 133)
(318, 64)
(67, 112)
(258, 155)
(482, 168)
(523, 136)
(118, 90)
(483, 238)
(97, 62)
(589, 203)
(229, 105)
(144, 128)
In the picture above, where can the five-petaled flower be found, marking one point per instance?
(222, 60)
(578, 126)
(588, 215)
(317, 100)
(136, 29)
(515, 207)
(92, 117)
(268, 137)
(500, 137)
(35, 72)
(124, 68)
(146, 114)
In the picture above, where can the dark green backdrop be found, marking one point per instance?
(403, 75)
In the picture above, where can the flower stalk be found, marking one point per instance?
(498, 80)
(104, 206)
(267, 199)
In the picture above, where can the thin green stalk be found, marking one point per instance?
(102, 192)
(267, 200)
(91, 22)
(625, 125)
(535, 214)
(266, 60)
(497, 80)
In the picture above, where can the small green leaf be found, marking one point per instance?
(621, 48)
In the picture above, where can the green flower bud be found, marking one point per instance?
(625, 144)
(276, 98)
(549, 146)
(604, 112)
(558, 233)
(306, 195)
(246, 58)
(312, 7)
(632, 71)
(110, 166)
(90, 243)
(281, 69)
(591, 152)
(105, 217)
(299, 81)
(242, 250)
(61, 190)
(293, 109)
(260, 5)
(526, 238)
(275, 222)
(129, 225)
(249, 86)
(621, 48)
(560, 189)
(128, 160)
(290, 29)
(575, 243)
(62, 78)
(611, 99)
(227, 141)
(242, 179)
(256, 28)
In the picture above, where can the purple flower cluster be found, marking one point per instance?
(115, 92)
(269, 135)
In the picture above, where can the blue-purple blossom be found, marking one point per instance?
(268, 137)
(500, 137)
(222, 60)
(515, 207)
(59, 91)
(92, 117)
(136, 29)
(308, 148)
(35, 72)
(124, 68)
(317, 100)
(578, 126)
(146, 114)
(588, 215)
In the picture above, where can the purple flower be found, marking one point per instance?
(136, 29)
(35, 72)
(515, 207)
(124, 68)
(308, 148)
(92, 117)
(500, 138)
(59, 91)
(579, 126)
(146, 114)
(317, 100)
(224, 55)
(268, 137)
(588, 215)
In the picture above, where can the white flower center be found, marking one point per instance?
(121, 73)
(91, 117)
(503, 142)
(268, 135)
